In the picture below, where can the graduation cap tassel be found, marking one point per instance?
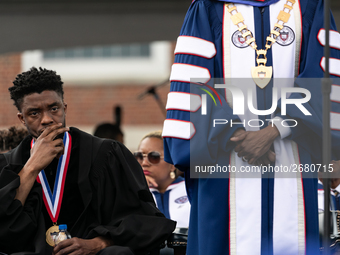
(326, 134)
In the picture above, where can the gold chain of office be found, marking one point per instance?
(261, 69)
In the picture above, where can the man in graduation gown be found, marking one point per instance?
(243, 123)
(60, 175)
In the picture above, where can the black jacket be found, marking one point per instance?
(116, 198)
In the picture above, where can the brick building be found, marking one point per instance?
(94, 86)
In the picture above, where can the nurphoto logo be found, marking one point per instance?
(241, 99)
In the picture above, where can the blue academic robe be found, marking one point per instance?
(190, 137)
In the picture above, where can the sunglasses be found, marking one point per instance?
(154, 157)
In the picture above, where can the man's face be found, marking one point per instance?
(39, 111)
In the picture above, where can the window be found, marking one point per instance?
(113, 51)
(111, 64)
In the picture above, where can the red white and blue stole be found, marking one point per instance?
(53, 200)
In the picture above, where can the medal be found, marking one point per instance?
(261, 74)
(53, 200)
(51, 233)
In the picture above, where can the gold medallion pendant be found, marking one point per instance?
(51, 233)
(262, 75)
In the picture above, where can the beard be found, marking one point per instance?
(36, 134)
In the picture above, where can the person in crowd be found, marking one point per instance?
(61, 175)
(334, 176)
(110, 131)
(334, 207)
(11, 137)
(167, 187)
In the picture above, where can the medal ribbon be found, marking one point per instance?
(53, 200)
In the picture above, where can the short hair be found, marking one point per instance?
(12, 137)
(35, 81)
(108, 130)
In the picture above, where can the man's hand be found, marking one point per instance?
(47, 147)
(77, 246)
(238, 133)
(252, 145)
(266, 159)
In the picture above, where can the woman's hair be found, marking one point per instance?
(155, 134)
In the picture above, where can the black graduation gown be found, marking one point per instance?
(117, 202)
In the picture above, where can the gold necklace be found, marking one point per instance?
(261, 74)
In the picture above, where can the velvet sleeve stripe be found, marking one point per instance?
(335, 121)
(183, 101)
(335, 94)
(195, 46)
(334, 38)
(178, 129)
(334, 66)
(189, 73)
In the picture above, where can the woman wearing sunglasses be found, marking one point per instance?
(167, 188)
